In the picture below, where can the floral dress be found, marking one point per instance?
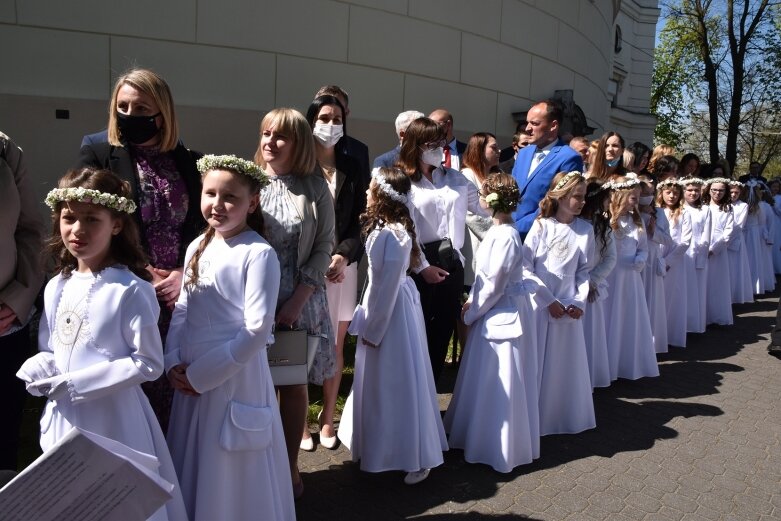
(283, 229)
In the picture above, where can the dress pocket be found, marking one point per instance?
(502, 324)
(246, 428)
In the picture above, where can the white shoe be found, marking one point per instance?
(328, 442)
(416, 477)
(307, 444)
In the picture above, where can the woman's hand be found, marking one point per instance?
(290, 310)
(557, 310)
(167, 283)
(7, 318)
(335, 272)
(177, 376)
(433, 274)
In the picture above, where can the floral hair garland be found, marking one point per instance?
(734, 182)
(503, 204)
(564, 180)
(713, 180)
(233, 164)
(685, 181)
(631, 182)
(670, 181)
(87, 195)
(386, 188)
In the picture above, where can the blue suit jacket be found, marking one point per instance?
(388, 159)
(533, 188)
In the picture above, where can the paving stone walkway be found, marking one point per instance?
(701, 442)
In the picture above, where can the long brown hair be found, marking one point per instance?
(125, 247)
(418, 133)
(594, 210)
(384, 210)
(598, 161)
(254, 221)
(474, 155)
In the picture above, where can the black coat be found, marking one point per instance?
(119, 161)
(350, 203)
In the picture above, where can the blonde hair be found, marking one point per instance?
(618, 198)
(292, 124)
(550, 203)
(154, 86)
(677, 208)
(659, 152)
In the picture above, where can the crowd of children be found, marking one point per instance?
(610, 274)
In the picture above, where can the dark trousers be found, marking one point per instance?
(14, 350)
(441, 305)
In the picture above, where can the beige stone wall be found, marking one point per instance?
(229, 61)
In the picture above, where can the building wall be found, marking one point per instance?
(229, 61)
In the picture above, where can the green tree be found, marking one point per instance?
(725, 47)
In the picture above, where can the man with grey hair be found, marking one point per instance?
(389, 158)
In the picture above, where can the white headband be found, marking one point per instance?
(386, 188)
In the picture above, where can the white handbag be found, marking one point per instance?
(291, 355)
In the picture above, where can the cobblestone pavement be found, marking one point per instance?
(701, 442)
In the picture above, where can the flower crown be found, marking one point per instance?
(386, 188)
(670, 181)
(722, 180)
(735, 182)
(566, 179)
(87, 195)
(234, 164)
(691, 181)
(497, 203)
(625, 185)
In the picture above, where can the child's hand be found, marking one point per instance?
(178, 378)
(464, 309)
(593, 294)
(574, 312)
(557, 309)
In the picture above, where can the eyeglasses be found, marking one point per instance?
(432, 145)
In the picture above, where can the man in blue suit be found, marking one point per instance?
(537, 163)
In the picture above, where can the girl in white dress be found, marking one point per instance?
(668, 197)
(739, 269)
(696, 260)
(561, 245)
(225, 431)
(391, 420)
(658, 229)
(775, 191)
(756, 238)
(769, 234)
(630, 344)
(98, 336)
(489, 415)
(719, 304)
(597, 210)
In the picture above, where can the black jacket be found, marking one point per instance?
(350, 203)
(119, 161)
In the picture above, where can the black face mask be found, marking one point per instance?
(137, 129)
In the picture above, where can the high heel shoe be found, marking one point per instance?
(329, 442)
(307, 444)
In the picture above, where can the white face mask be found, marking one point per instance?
(645, 200)
(433, 157)
(328, 134)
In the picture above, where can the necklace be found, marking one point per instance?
(70, 323)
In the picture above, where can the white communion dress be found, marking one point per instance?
(653, 278)
(490, 415)
(719, 304)
(98, 342)
(696, 263)
(227, 443)
(769, 234)
(391, 420)
(739, 270)
(756, 237)
(602, 263)
(675, 280)
(629, 339)
(561, 254)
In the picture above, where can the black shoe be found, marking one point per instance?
(774, 350)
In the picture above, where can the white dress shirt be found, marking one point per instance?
(540, 154)
(439, 208)
(455, 159)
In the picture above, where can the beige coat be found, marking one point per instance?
(315, 207)
(21, 274)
